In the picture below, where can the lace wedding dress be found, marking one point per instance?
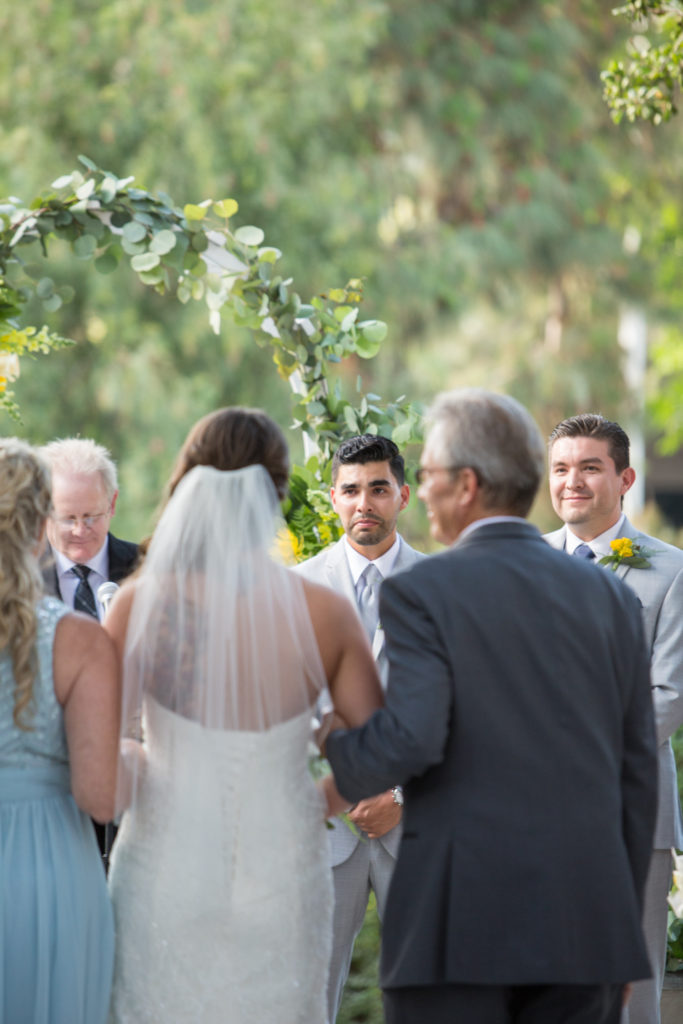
(227, 918)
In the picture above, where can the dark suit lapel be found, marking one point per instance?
(48, 568)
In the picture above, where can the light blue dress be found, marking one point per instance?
(56, 926)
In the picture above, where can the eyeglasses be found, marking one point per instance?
(425, 471)
(69, 522)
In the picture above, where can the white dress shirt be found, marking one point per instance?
(68, 581)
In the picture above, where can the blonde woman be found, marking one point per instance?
(59, 711)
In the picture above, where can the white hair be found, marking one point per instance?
(82, 455)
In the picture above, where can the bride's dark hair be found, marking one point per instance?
(233, 438)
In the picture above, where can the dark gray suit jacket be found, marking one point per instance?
(122, 556)
(519, 719)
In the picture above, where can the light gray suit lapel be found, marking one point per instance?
(338, 572)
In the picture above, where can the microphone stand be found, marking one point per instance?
(105, 593)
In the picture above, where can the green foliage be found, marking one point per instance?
(362, 1002)
(645, 87)
(193, 253)
(675, 944)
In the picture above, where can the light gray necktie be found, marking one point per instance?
(584, 551)
(368, 603)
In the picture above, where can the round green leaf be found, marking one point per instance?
(269, 254)
(163, 242)
(199, 241)
(53, 303)
(85, 246)
(249, 235)
(106, 263)
(365, 348)
(133, 248)
(45, 288)
(145, 261)
(134, 231)
(193, 212)
(373, 330)
(341, 312)
(226, 207)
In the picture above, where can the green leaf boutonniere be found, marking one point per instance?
(625, 552)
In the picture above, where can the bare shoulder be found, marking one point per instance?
(77, 636)
(80, 641)
(326, 605)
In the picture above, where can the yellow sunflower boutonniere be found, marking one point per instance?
(625, 552)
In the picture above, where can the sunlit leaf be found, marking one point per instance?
(145, 261)
(134, 231)
(249, 235)
(193, 212)
(226, 208)
(163, 242)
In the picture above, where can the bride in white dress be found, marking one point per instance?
(219, 876)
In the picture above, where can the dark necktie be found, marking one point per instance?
(584, 551)
(368, 603)
(84, 599)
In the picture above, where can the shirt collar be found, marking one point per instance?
(99, 562)
(488, 521)
(358, 562)
(600, 544)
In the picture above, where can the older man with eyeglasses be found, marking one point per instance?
(82, 554)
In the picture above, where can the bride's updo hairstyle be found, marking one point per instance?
(233, 438)
(25, 504)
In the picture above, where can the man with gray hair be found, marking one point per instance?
(518, 718)
(82, 554)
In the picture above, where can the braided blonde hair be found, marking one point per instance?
(25, 504)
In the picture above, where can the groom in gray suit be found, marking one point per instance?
(519, 718)
(589, 474)
(368, 493)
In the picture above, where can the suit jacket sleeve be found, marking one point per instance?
(409, 734)
(666, 664)
(639, 762)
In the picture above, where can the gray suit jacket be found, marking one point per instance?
(330, 567)
(660, 592)
(520, 722)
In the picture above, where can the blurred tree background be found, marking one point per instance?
(457, 155)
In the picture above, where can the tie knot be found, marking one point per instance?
(82, 571)
(584, 551)
(371, 575)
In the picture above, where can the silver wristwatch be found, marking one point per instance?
(397, 793)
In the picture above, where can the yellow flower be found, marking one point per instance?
(9, 366)
(622, 546)
(288, 546)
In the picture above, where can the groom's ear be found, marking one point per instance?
(405, 496)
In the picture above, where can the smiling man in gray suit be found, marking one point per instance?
(519, 718)
(368, 493)
(589, 475)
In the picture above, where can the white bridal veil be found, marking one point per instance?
(219, 631)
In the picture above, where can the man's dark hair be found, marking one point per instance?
(591, 424)
(369, 448)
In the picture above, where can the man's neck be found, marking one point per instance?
(373, 551)
(589, 531)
